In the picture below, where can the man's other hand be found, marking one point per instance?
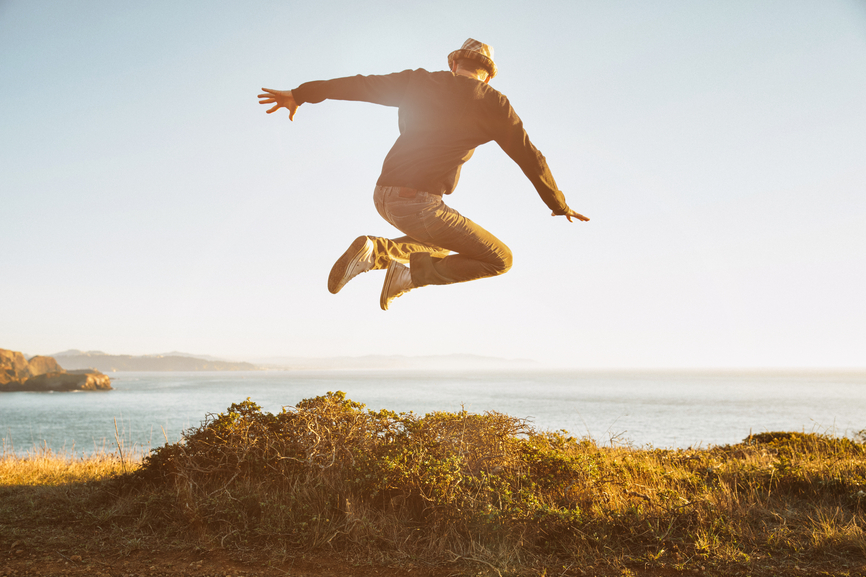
(280, 99)
(571, 214)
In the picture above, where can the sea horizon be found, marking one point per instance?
(663, 408)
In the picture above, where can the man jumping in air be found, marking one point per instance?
(443, 117)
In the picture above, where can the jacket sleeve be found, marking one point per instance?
(386, 89)
(512, 138)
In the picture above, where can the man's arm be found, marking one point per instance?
(386, 90)
(280, 99)
(512, 138)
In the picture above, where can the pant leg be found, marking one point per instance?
(400, 249)
(427, 219)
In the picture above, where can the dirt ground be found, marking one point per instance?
(21, 562)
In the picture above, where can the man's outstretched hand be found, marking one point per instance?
(571, 214)
(280, 99)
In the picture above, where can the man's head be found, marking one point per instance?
(475, 57)
(471, 68)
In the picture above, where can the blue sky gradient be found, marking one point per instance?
(149, 203)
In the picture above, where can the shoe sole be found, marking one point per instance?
(389, 277)
(344, 264)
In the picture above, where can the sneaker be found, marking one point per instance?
(398, 281)
(358, 258)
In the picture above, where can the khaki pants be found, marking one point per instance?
(433, 231)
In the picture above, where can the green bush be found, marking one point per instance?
(328, 473)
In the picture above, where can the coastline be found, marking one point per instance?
(777, 504)
(661, 409)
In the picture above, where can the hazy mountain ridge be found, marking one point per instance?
(385, 362)
(178, 361)
(79, 353)
(76, 353)
(110, 363)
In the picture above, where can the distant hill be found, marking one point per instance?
(194, 356)
(74, 359)
(178, 361)
(75, 353)
(386, 362)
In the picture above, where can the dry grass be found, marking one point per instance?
(487, 492)
(45, 468)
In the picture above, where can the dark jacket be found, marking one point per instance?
(443, 117)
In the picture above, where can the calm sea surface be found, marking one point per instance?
(662, 409)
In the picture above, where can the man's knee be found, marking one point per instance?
(501, 261)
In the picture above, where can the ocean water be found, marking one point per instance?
(642, 408)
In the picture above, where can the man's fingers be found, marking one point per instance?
(571, 214)
(279, 99)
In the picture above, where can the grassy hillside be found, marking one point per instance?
(456, 491)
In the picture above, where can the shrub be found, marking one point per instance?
(492, 489)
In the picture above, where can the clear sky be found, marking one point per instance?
(148, 203)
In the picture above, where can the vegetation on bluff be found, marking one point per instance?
(492, 494)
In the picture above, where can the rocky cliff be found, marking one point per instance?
(40, 365)
(13, 367)
(45, 374)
